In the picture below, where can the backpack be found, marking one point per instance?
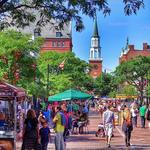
(148, 115)
(128, 122)
(63, 119)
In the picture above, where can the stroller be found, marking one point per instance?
(100, 132)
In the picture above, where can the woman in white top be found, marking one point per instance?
(134, 113)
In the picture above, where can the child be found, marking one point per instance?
(45, 135)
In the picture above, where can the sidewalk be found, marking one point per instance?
(139, 140)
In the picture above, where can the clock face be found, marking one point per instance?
(95, 66)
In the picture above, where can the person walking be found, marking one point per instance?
(134, 113)
(109, 124)
(30, 131)
(142, 115)
(148, 115)
(59, 130)
(44, 135)
(126, 123)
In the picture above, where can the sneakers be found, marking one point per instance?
(127, 144)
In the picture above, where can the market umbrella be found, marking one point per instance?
(69, 95)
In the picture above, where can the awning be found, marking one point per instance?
(10, 91)
(69, 95)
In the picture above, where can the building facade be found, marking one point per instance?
(129, 52)
(95, 59)
(55, 38)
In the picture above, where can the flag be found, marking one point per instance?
(61, 65)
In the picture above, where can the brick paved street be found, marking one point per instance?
(140, 139)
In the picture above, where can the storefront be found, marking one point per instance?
(9, 96)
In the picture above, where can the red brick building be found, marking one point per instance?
(95, 59)
(129, 52)
(57, 44)
(55, 39)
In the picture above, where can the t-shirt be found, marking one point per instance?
(108, 117)
(142, 110)
(85, 110)
(59, 127)
(75, 107)
(69, 108)
(44, 133)
(134, 112)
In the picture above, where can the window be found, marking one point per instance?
(37, 32)
(53, 44)
(58, 44)
(63, 44)
(58, 34)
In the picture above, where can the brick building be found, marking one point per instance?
(129, 52)
(55, 39)
(95, 59)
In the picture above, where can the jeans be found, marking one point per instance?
(143, 121)
(134, 121)
(44, 145)
(59, 141)
(127, 137)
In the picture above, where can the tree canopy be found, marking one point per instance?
(72, 76)
(105, 84)
(18, 12)
(17, 66)
(135, 72)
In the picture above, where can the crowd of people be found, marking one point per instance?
(62, 118)
(65, 118)
(128, 114)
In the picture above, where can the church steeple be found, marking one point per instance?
(95, 59)
(127, 43)
(95, 32)
(95, 50)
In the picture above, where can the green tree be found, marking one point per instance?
(72, 76)
(16, 64)
(21, 11)
(105, 84)
(129, 90)
(134, 72)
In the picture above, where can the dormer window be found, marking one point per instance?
(37, 32)
(58, 34)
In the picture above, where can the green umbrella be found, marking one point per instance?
(69, 95)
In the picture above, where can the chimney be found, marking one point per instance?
(145, 46)
(131, 47)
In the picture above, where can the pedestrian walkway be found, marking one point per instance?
(88, 141)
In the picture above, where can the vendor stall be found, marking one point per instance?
(9, 96)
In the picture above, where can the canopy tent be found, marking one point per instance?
(69, 95)
(8, 91)
(10, 94)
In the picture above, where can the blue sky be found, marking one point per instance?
(113, 32)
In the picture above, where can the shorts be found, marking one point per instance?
(108, 130)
